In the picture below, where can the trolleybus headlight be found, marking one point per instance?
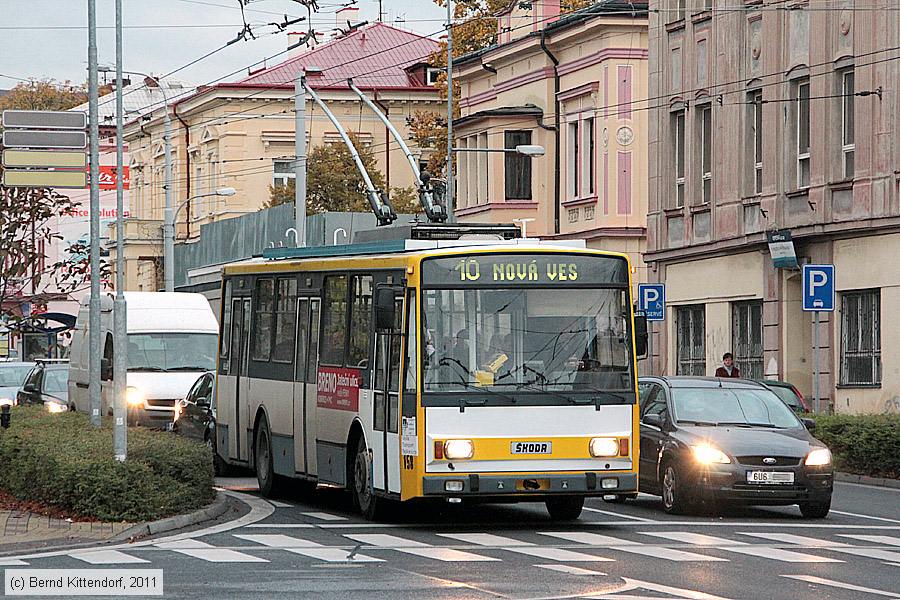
(819, 457)
(459, 449)
(604, 447)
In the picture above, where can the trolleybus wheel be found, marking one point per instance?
(565, 508)
(364, 498)
(265, 471)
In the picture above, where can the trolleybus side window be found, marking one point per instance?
(313, 354)
(334, 328)
(285, 315)
(262, 332)
(303, 341)
(225, 338)
(360, 322)
(409, 386)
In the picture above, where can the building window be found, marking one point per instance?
(285, 320)
(574, 160)
(432, 75)
(691, 340)
(588, 159)
(848, 141)
(705, 130)
(573, 215)
(678, 10)
(861, 338)
(746, 338)
(360, 322)
(517, 167)
(801, 98)
(588, 213)
(678, 156)
(265, 305)
(754, 119)
(284, 172)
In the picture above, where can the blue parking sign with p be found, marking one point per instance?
(652, 300)
(818, 288)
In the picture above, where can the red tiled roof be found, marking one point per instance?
(375, 56)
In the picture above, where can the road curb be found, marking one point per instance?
(866, 480)
(214, 510)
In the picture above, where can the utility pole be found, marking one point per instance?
(300, 158)
(451, 214)
(169, 223)
(94, 315)
(120, 366)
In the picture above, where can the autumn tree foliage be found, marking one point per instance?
(333, 183)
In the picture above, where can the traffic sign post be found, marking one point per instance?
(652, 301)
(44, 149)
(818, 296)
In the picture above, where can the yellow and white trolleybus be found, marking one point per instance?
(495, 369)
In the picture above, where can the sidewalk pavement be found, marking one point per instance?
(19, 528)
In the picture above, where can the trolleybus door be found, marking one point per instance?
(240, 336)
(305, 383)
(386, 394)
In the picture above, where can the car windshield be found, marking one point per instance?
(732, 406)
(14, 376)
(171, 351)
(533, 340)
(787, 395)
(55, 381)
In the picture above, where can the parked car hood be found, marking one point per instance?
(744, 441)
(164, 386)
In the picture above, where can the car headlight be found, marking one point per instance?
(707, 455)
(604, 447)
(7, 402)
(134, 396)
(459, 449)
(178, 408)
(56, 407)
(818, 457)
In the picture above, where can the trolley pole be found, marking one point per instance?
(300, 158)
(120, 358)
(451, 213)
(94, 313)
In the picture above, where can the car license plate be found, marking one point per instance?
(770, 477)
(531, 448)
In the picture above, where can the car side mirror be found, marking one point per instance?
(653, 420)
(641, 336)
(810, 424)
(29, 387)
(203, 401)
(385, 310)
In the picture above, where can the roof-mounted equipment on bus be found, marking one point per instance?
(378, 199)
(431, 191)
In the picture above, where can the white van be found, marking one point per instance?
(172, 340)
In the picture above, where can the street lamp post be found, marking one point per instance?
(523, 149)
(170, 230)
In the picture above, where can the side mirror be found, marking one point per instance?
(641, 336)
(203, 401)
(106, 369)
(29, 387)
(653, 420)
(385, 310)
(810, 424)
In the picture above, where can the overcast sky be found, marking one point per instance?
(48, 38)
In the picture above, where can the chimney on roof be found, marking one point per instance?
(294, 37)
(522, 17)
(346, 18)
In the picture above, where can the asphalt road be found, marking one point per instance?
(313, 547)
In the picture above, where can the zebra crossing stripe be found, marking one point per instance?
(569, 569)
(595, 539)
(878, 554)
(841, 585)
(106, 557)
(207, 552)
(13, 563)
(520, 547)
(884, 540)
(392, 542)
(324, 516)
(799, 540)
(307, 548)
(726, 545)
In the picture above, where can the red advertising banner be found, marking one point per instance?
(108, 177)
(337, 388)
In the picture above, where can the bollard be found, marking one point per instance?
(4, 416)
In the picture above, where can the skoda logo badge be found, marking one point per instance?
(769, 461)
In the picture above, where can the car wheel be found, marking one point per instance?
(565, 508)
(675, 497)
(816, 510)
(364, 499)
(219, 466)
(265, 471)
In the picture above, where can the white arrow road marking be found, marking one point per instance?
(841, 585)
(307, 548)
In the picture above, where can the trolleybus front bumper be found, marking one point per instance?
(588, 484)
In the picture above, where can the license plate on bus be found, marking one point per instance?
(770, 477)
(531, 448)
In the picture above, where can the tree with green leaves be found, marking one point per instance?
(333, 183)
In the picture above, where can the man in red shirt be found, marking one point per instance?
(728, 369)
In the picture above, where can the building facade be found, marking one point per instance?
(241, 134)
(569, 83)
(776, 117)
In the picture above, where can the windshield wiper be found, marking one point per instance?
(188, 368)
(746, 424)
(147, 368)
(467, 401)
(700, 423)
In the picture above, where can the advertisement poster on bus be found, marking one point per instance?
(337, 388)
